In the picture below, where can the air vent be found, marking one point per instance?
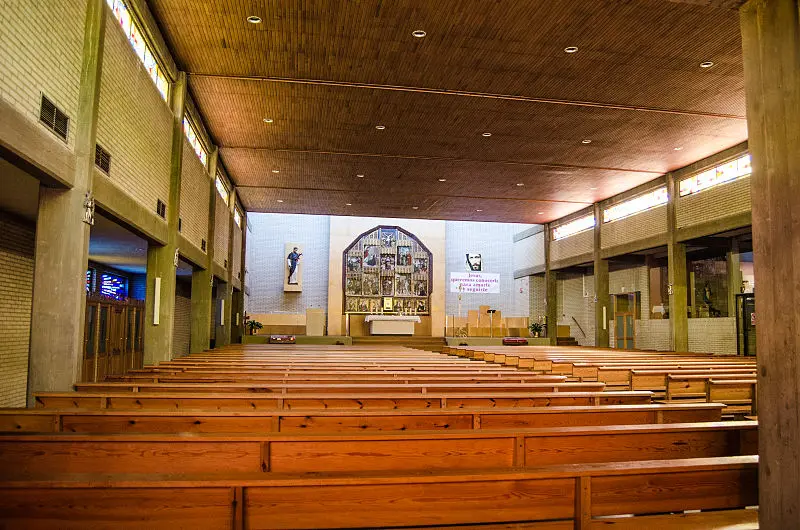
(226, 264)
(54, 118)
(161, 208)
(239, 275)
(203, 245)
(180, 224)
(102, 159)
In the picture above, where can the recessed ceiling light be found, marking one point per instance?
(442, 180)
(593, 188)
(415, 207)
(380, 127)
(360, 176)
(520, 184)
(268, 120)
(254, 19)
(540, 213)
(348, 204)
(280, 200)
(586, 141)
(418, 33)
(706, 64)
(571, 49)
(478, 210)
(276, 170)
(486, 134)
(677, 148)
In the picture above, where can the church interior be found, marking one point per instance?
(406, 265)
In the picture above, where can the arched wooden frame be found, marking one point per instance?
(401, 303)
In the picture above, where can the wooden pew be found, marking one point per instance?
(256, 401)
(355, 387)
(134, 421)
(739, 395)
(693, 386)
(415, 451)
(573, 495)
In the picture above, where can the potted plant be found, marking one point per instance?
(253, 325)
(536, 329)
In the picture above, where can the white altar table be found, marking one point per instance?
(391, 324)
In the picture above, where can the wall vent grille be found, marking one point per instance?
(54, 118)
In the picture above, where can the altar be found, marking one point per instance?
(391, 324)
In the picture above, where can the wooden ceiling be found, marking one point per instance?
(328, 72)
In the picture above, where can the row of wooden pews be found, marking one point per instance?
(730, 380)
(280, 437)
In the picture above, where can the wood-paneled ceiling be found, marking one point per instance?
(328, 72)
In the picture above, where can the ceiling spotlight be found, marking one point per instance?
(706, 64)
(415, 207)
(254, 19)
(280, 200)
(486, 134)
(380, 127)
(540, 213)
(677, 148)
(276, 170)
(593, 188)
(520, 184)
(442, 180)
(268, 120)
(571, 49)
(478, 210)
(418, 33)
(348, 204)
(360, 176)
(586, 141)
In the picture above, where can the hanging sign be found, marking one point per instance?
(474, 282)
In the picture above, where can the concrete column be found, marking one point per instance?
(601, 307)
(771, 46)
(550, 286)
(676, 272)
(62, 239)
(203, 279)
(237, 328)
(734, 276)
(161, 259)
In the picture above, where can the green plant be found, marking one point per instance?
(536, 329)
(253, 325)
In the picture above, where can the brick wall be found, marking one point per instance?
(640, 226)
(182, 320)
(237, 252)
(134, 123)
(529, 252)
(576, 304)
(712, 335)
(714, 203)
(41, 47)
(537, 295)
(652, 334)
(495, 243)
(222, 219)
(195, 184)
(16, 292)
(574, 245)
(265, 262)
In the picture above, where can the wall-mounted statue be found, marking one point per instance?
(293, 268)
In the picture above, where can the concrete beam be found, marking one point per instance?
(771, 45)
(62, 238)
(125, 211)
(717, 226)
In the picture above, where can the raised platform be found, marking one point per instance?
(301, 339)
(487, 341)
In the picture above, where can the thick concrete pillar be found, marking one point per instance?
(222, 307)
(203, 279)
(601, 296)
(162, 259)
(771, 45)
(676, 273)
(550, 286)
(62, 238)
